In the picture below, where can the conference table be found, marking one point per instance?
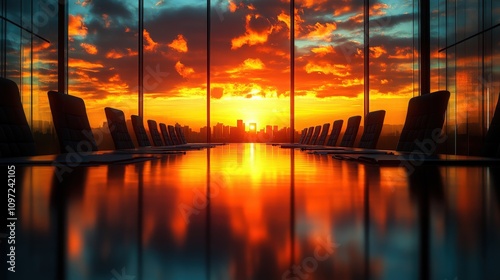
(253, 211)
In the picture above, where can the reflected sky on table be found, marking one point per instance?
(254, 211)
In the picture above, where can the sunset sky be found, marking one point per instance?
(250, 60)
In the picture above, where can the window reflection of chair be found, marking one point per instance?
(71, 123)
(15, 134)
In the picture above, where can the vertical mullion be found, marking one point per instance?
(366, 57)
(140, 46)
(292, 71)
(209, 22)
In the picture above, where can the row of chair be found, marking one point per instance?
(73, 128)
(315, 138)
(425, 115)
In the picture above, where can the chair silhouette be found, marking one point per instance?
(334, 135)
(166, 136)
(314, 138)
(491, 144)
(351, 132)
(173, 135)
(425, 115)
(303, 136)
(180, 135)
(374, 121)
(71, 123)
(308, 135)
(140, 131)
(155, 134)
(15, 134)
(118, 129)
(324, 133)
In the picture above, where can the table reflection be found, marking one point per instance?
(253, 211)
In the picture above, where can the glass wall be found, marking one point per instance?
(175, 64)
(103, 59)
(466, 60)
(250, 64)
(329, 62)
(28, 47)
(392, 65)
(250, 70)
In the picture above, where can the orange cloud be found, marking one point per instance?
(378, 9)
(252, 36)
(179, 44)
(284, 17)
(76, 26)
(114, 54)
(327, 68)
(248, 64)
(402, 53)
(183, 70)
(377, 51)
(323, 50)
(84, 65)
(89, 48)
(232, 6)
(150, 44)
(322, 31)
(311, 3)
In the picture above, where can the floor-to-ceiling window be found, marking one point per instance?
(392, 64)
(466, 62)
(175, 64)
(28, 48)
(250, 70)
(328, 62)
(103, 59)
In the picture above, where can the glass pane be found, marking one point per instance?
(250, 71)
(392, 60)
(328, 63)
(103, 59)
(175, 59)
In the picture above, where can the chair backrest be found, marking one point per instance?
(15, 134)
(425, 115)
(324, 133)
(155, 134)
(334, 135)
(373, 127)
(351, 132)
(314, 138)
(71, 123)
(140, 131)
(302, 136)
(491, 145)
(180, 134)
(166, 136)
(118, 128)
(173, 135)
(309, 135)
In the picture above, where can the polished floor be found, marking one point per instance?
(254, 211)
